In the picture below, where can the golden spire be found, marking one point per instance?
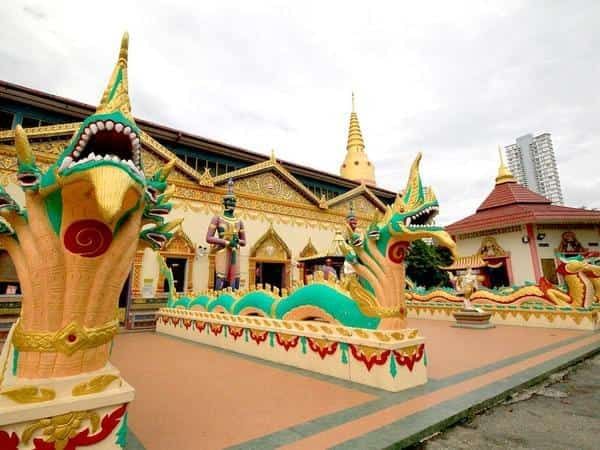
(356, 165)
(355, 139)
(504, 175)
(116, 95)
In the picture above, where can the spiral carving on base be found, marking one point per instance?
(88, 238)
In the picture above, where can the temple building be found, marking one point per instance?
(280, 203)
(517, 235)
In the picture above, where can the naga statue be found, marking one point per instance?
(582, 289)
(374, 298)
(73, 246)
(230, 236)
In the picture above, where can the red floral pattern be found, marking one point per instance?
(287, 341)
(377, 357)
(216, 328)
(323, 348)
(236, 332)
(9, 441)
(258, 336)
(410, 360)
(200, 326)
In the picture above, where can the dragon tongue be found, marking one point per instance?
(111, 185)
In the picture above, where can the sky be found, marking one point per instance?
(450, 79)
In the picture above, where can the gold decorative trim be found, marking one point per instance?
(265, 166)
(361, 189)
(94, 386)
(67, 340)
(30, 394)
(368, 304)
(59, 429)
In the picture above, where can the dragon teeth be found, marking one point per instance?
(94, 128)
(119, 127)
(100, 125)
(66, 163)
(126, 130)
(109, 125)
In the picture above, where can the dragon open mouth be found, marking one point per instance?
(157, 238)
(27, 179)
(106, 141)
(423, 218)
(153, 211)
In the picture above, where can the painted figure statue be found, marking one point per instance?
(226, 234)
(73, 247)
(329, 272)
(468, 283)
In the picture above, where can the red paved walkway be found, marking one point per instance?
(191, 396)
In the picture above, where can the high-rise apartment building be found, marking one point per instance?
(531, 160)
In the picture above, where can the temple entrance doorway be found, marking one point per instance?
(270, 261)
(178, 267)
(498, 276)
(179, 255)
(270, 273)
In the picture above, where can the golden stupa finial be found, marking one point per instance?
(116, 95)
(355, 139)
(356, 165)
(504, 175)
(273, 159)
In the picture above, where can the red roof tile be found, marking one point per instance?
(514, 204)
(511, 193)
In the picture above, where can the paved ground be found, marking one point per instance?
(191, 396)
(561, 413)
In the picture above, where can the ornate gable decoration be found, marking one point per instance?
(365, 203)
(180, 244)
(269, 179)
(490, 248)
(308, 250)
(270, 246)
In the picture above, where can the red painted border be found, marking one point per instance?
(535, 259)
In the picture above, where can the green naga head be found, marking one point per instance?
(99, 179)
(412, 215)
(105, 152)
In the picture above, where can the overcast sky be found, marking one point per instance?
(451, 79)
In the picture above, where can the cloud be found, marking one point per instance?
(451, 79)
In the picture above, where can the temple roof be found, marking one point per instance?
(510, 203)
(78, 110)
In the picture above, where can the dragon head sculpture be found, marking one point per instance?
(73, 245)
(378, 255)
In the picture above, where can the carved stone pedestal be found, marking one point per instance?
(472, 318)
(64, 413)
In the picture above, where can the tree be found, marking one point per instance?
(423, 264)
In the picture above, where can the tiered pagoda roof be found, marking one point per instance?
(510, 203)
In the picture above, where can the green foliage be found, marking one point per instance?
(423, 264)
